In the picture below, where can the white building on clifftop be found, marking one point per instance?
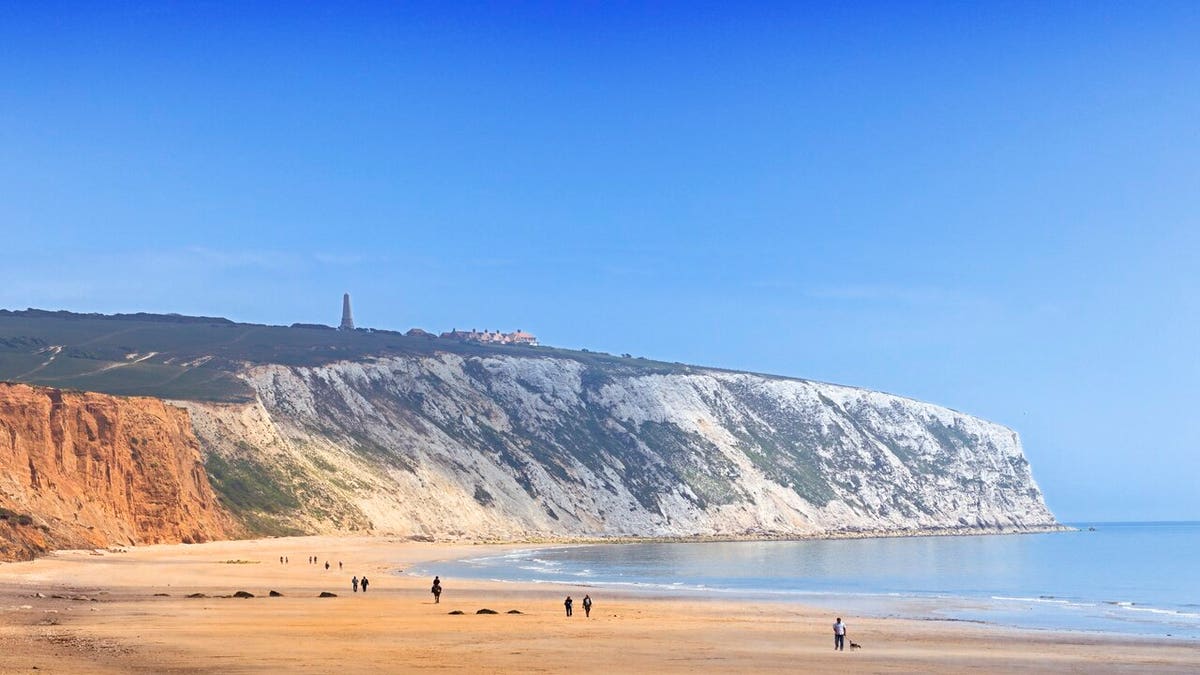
(517, 337)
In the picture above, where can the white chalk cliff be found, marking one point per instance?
(505, 447)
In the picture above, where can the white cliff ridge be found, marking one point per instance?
(508, 447)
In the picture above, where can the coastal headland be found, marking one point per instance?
(172, 608)
(294, 431)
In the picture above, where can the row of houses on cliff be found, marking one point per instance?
(517, 337)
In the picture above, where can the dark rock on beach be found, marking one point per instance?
(487, 611)
(327, 594)
(243, 594)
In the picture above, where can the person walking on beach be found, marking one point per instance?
(339, 565)
(567, 603)
(354, 584)
(436, 589)
(326, 564)
(839, 635)
(587, 606)
(363, 582)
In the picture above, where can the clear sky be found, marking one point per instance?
(995, 207)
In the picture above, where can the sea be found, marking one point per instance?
(1116, 578)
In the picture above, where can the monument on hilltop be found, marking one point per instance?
(347, 318)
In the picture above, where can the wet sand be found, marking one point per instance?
(123, 612)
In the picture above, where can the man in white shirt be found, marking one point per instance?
(839, 635)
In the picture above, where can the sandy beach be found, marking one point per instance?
(129, 611)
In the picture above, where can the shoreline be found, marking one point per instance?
(548, 540)
(766, 536)
(693, 594)
(130, 612)
(946, 606)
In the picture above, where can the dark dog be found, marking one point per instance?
(855, 645)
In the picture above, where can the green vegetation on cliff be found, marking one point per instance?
(195, 358)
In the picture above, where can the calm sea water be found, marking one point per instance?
(1133, 578)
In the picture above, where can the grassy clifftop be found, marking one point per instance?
(195, 358)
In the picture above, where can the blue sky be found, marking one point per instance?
(991, 207)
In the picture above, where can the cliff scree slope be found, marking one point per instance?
(80, 470)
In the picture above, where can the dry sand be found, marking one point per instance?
(112, 617)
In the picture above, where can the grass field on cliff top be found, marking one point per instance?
(195, 358)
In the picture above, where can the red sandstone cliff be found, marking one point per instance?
(82, 470)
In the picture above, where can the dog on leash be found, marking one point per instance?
(855, 645)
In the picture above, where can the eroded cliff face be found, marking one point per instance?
(505, 447)
(81, 470)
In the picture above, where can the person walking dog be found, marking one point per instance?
(839, 635)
